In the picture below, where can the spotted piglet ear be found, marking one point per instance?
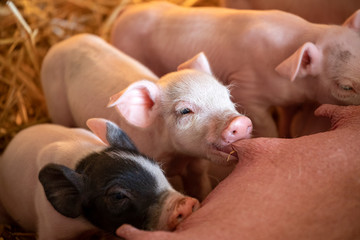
(199, 62)
(306, 61)
(110, 133)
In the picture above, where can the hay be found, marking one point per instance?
(28, 30)
(8, 232)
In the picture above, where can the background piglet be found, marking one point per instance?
(317, 11)
(271, 58)
(183, 117)
(63, 183)
(301, 188)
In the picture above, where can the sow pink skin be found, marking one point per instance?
(319, 11)
(302, 188)
(269, 58)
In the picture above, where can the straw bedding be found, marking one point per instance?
(25, 38)
(27, 30)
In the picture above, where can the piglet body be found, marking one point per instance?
(179, 119)
(62, 183)
(271, 58)
(319, 11)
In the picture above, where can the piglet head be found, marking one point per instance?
(330, 66)
(196, 113)
(201, 118)
(109, 188)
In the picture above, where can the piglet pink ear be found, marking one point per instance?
(98, 127)
(306, 61)
(353, 21)
(136, 103)
(199, 62)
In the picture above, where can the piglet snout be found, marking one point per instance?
(184, 208)
(238, 128)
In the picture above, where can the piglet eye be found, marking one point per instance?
(117, 193)
(118, 196)
(346, 87)
(185, 111)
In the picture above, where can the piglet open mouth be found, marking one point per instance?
(227, 152)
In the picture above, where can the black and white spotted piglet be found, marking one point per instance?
(62, 183)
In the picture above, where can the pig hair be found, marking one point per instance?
(337, 61)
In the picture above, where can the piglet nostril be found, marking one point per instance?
(185, 206)
(239, 128)
(179, 217)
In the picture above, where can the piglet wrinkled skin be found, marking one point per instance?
(270, 58)
(318, 11)
(63, 183)
(301, 188)
(179, 119)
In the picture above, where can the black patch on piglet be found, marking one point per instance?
(118, 138)
(118, 190)
(63, 188)
(109, 188)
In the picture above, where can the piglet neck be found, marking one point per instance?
(151, 140)
(176, 164)
(306, 89)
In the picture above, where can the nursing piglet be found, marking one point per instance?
(179, 119)
(271, 58)
(63, 183)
